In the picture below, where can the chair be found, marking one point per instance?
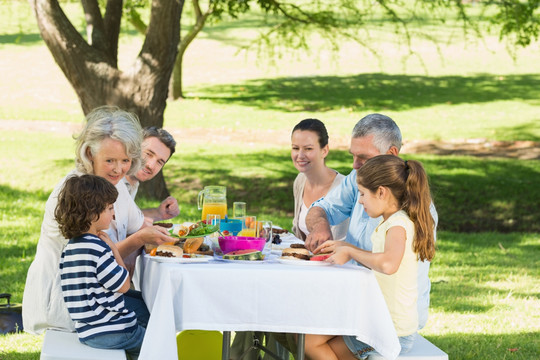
(199, 345)
(59, 345)
(422, 350)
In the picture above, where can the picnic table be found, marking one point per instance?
(268, 296)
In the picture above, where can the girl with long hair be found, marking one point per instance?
(398, 191)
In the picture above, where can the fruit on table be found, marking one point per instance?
(250, 254)
(321, 257)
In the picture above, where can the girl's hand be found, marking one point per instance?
(330, 246)
(340, 256)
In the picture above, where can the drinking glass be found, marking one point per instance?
(265, 229)
(213, 219)
(249, 227)
(239, 209)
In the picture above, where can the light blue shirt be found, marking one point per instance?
(342, 202)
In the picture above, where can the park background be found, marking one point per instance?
(468, 109)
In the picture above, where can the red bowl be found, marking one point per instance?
(228, 244)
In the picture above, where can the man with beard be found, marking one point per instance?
(157, 148)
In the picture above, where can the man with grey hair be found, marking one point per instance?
(373, 135)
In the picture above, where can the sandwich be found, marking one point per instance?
(169, 251)
(295, 253)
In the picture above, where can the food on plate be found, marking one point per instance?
(180, 230)
(299, 252)
(193, 244)
(190, 225)
(169, 251)
(149, 247)
(276, 239)
(298, 246)
(295, 253)
(165, 225)
(192, 229)
(204, 249)
(279, 231)
(250, 254)
(201, 229)
(320, 257)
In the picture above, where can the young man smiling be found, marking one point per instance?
(157, 148)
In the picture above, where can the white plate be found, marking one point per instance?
(303, 262)
(220, 258)
(251, 262)
(182, 260)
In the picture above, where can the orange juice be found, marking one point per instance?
(214, 208)
(248, 232)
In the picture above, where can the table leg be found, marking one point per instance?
(300, 347)
(226, 347)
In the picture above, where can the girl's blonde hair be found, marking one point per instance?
(408, 182)
(109, 122)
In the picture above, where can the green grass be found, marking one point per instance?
(485, 285)
(485, 291)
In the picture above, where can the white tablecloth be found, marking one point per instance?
(332, 300)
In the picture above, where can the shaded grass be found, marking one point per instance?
(375, 90)
(433, 107)
(471, 194)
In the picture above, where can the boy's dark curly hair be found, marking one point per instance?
(81, 201)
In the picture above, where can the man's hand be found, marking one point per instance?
(318, 226)
(168, 208)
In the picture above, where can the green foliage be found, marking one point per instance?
(518, 20)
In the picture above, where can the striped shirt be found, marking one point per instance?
(90, 279)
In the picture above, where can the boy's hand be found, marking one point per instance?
(105, 237)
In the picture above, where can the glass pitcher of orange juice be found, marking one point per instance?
(213, 200)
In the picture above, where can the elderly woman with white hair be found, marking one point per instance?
(109, 146)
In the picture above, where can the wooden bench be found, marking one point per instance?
(60, 345)
(422, 350)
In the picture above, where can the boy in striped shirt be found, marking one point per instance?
(93, 275)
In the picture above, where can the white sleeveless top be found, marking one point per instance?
(302, 219)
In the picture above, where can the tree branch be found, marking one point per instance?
(112, 21)
(95, 29)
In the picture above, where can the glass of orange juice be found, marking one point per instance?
(249, 227)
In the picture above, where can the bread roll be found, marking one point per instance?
(169, 251)
(295, 253)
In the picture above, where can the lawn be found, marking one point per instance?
(485, 277)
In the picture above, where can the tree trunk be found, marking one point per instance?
(155, 188)
(176, 86)
(92, 68)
